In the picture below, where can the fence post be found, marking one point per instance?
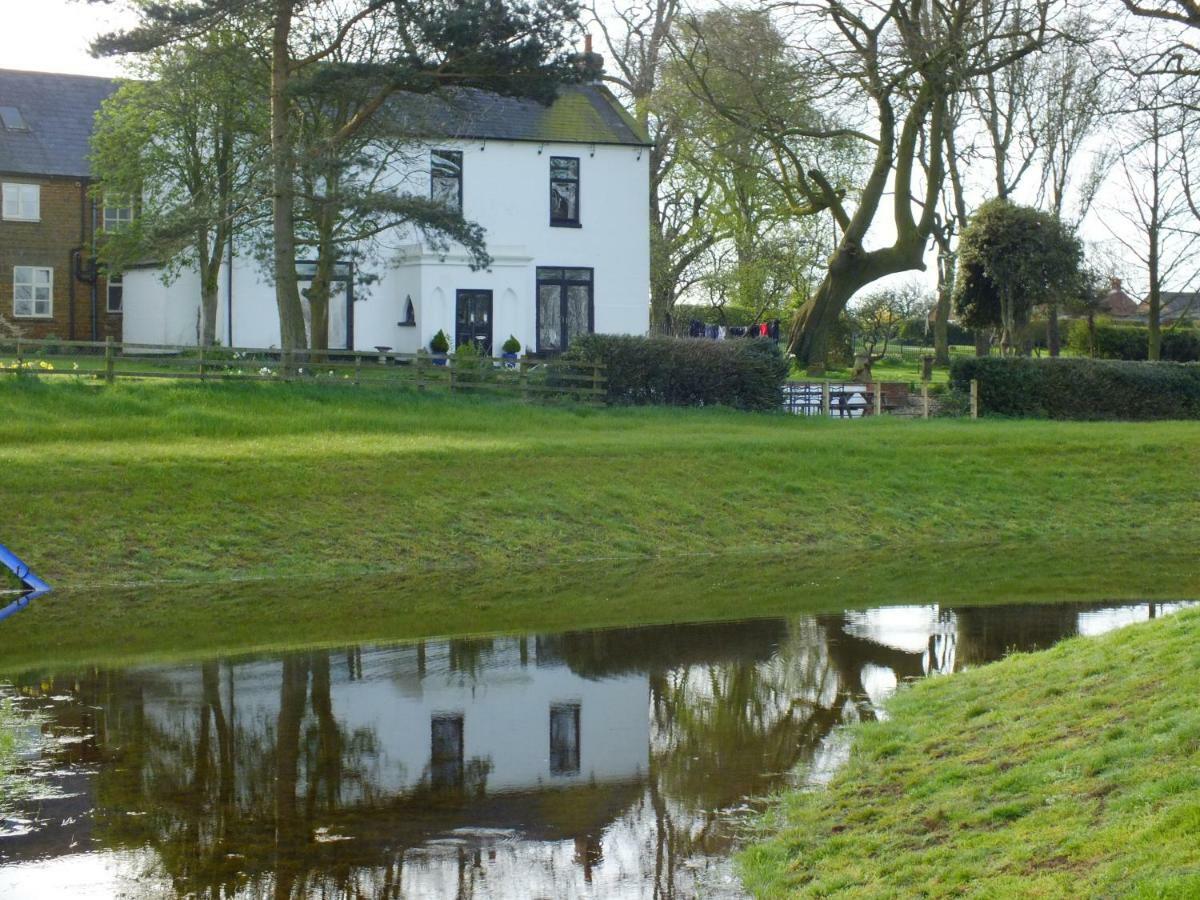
(108, 359)
(974, 398)
(878, 399)
(450, 371)
(357, 368)
(20, 357)
(825, 407)
(596, 394)
(201, 362)
(524, 378)
(924, 400)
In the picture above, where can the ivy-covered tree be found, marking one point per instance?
(1011, 259)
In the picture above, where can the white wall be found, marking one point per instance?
(506, 190)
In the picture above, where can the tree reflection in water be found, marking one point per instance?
(607, 763)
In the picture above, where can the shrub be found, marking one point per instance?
(743, 373)
(1132, 342)
(469, 366)
(512, 345)
(440, 343)
(1070, 388)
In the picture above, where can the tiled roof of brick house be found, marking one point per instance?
(1117, 303)
(57, 112)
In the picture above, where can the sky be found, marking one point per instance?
(53, 36)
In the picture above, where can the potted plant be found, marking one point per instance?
(510, 348)
(440, 345)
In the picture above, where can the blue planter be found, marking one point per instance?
(510, 360)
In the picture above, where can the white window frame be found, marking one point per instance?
(114, 281)
(21, 202)
(116, 217)
(26, 277)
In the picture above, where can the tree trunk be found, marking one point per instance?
(983, 342)
(208, 304)
(283, 200)
(941, 326)
(816, 321)
(1053, 340)
(1154, 320)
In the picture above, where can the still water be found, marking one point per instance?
(613, 763)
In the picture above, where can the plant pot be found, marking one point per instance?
(510, 360)
(439, 360)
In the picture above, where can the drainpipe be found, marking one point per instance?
(77, 260)
(95, 290)
(229, 290)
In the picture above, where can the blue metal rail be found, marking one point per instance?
(34, 586)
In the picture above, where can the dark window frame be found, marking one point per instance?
(556, 222)
(454, 156)
(568, 763)
(562, 282)
(110, 282)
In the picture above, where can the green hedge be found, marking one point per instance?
(1070, 388)
(745, 373)
(1132, 342)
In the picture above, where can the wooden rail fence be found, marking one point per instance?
(529, 379)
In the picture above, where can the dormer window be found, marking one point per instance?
(564, 191)
(445, 171)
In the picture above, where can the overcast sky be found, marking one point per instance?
(53, 36)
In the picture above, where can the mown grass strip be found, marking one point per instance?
(1074, 772)
(141, 483)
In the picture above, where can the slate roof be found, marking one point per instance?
(582, 114)
(1177, 304)
(58, 110)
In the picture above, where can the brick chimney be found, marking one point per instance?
(589, 64)
(1115, 283)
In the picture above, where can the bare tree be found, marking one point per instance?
(1153, 220)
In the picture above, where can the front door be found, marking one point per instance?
(474, 320)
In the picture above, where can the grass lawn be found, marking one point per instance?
(1074, 772)
(146, 482)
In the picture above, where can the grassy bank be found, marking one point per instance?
(151, 482)
(1074, 772)
(69, 629)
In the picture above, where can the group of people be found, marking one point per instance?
(769, 330)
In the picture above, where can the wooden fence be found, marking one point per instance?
(529, 379)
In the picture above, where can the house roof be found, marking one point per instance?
(57, 112)
(1118, 303)
(582, 114)
(1177, 304)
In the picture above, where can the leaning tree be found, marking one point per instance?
(887, 76)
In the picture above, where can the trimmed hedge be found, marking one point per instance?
(746, 373)
(1133, 341)
(1068, 388)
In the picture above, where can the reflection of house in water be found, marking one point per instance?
(486, 716)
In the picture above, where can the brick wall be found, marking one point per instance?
(65, 226)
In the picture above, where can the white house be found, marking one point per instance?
(562, 192)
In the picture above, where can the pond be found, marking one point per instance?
(607, 763)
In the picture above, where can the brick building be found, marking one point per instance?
(49, 283)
